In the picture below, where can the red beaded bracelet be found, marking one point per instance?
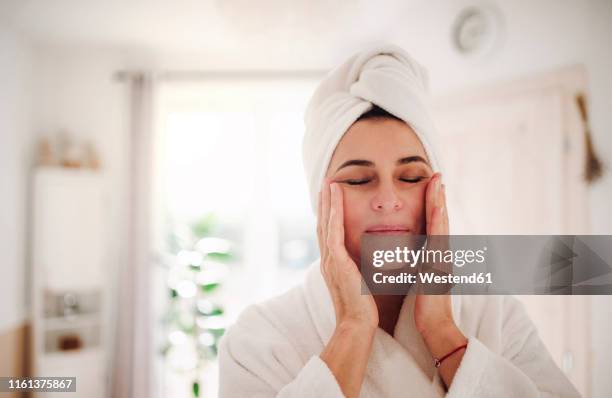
(438, 362)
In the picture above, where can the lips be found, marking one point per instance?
(388, 230)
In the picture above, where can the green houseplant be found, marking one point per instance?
(196, 263)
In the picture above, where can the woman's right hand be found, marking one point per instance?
(340, 272)
(348, 350)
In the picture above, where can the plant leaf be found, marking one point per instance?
(196, 388)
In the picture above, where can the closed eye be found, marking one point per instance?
(363, 181)
(412, 180)
(358, 182)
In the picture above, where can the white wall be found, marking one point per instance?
(15, 158)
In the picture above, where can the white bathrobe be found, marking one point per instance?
(273, 351)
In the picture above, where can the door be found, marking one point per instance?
(513, 156)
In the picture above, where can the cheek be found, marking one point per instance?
(356, 205)
(414, 205)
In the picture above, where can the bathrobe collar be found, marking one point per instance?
(403, 355)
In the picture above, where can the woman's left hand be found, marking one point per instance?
(433, 311)
(433, 314)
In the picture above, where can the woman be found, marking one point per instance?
(371, 168)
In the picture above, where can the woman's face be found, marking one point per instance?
(383, 170)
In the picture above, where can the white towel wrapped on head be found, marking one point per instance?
(385, 76)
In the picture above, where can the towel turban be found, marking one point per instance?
(385, 76)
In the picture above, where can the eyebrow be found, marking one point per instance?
(368, 163)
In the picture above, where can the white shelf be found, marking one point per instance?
(87, 365)
(78, 321)
(69, 219)
(65, 358)
(68, 258)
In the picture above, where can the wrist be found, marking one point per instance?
(347, 352)
(432, 329)
(443, 338)
(355, 328)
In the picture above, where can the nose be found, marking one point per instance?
(386, 199)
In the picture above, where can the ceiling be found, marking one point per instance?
(315, 34)
(285, 33)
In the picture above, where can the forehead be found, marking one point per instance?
(378, 140)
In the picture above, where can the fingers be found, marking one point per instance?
(435, 207)
(431, 202)
(319, 226)
(437, 231)
(437, 222)
(323, 216)
(335, 228)
(322, 210)
(444, 212)
(325, 202)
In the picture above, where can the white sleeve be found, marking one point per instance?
(524, 368)
(244, 372)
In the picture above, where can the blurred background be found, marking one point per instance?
(150, 161)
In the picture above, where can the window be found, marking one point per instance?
(232, 149)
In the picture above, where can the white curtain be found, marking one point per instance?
(132, 355)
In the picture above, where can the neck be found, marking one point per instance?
(389, 307)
